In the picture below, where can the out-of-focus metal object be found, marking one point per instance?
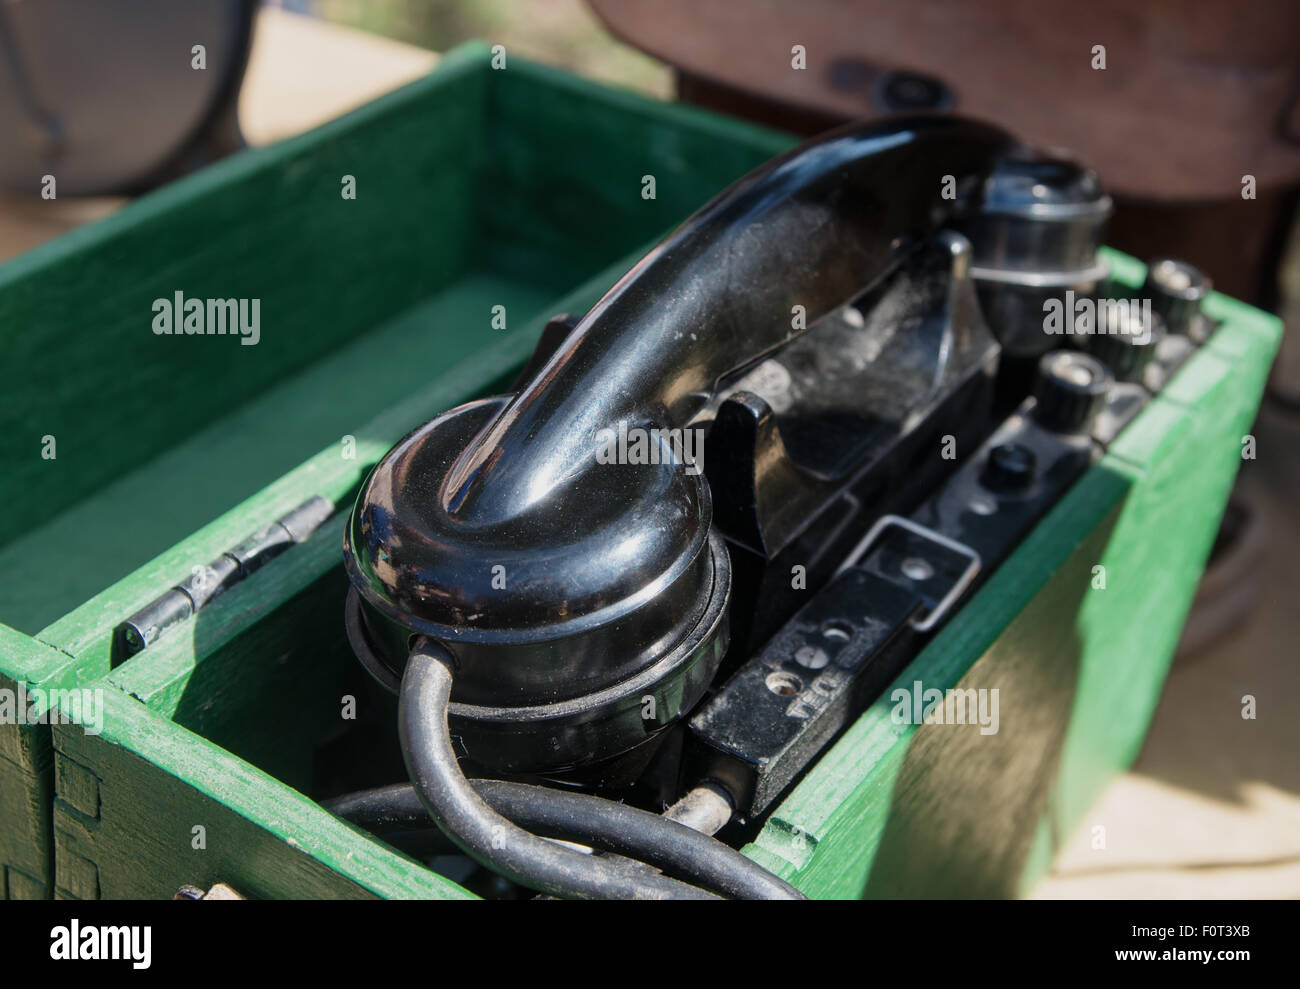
(1070, 391)
(1177, 290)
(1037, 224)
(118, 95)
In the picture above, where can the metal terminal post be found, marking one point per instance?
(707, 809)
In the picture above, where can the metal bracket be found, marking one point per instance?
(958, 588)
(221, 891)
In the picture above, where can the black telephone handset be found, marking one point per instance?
(816, 324)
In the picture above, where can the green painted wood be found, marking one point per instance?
(112, 843)
(567, 152)
(252, 681)
(87, 630)
(457, 212)
(939, 810)
(475, 188)
(533, 224)
(26, 763)
(890, 810)
(212, 676)
(268, 224)
(161, 502)
(26, 782)
(533, 185)
(1188, 449)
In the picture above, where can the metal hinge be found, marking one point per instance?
(179, 603)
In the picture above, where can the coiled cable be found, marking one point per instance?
(478, 830)
(504, 826)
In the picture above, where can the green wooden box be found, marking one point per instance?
(214, 729)
(521, 188)
(1076, 630)
(475, 189)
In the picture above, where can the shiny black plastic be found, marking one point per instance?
(556, 579)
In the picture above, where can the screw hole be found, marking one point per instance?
(784, 684)
(915, 568)
(839, 631)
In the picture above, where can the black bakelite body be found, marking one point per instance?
(586, 603)
(819, 327)
(846, 644)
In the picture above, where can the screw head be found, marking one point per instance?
(1010, 467)
(915, 568)
(906, 91)
(811, 658)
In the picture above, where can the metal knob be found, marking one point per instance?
(1126, 339)
(1176, 290)
(1070, 390)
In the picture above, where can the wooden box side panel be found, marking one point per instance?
(597, 171)
(1188, 447)
(146, 806)
(28, 669)
(897, 810)
(334, 473)
(267, 224)
(211, 674)
(25, 795)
